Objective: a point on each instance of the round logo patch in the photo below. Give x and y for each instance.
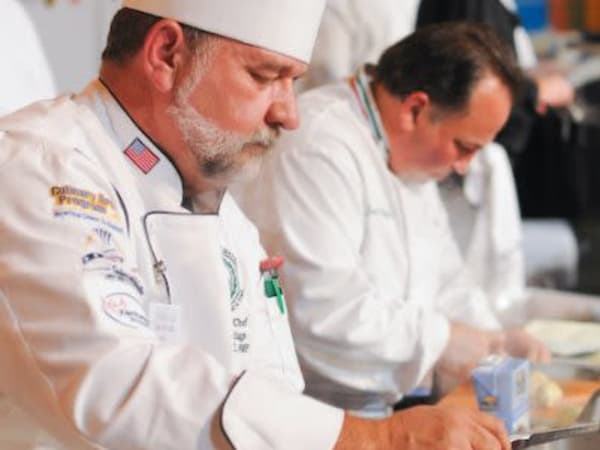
(236, 293)
(125, 309)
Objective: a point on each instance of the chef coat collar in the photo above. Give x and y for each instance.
(160, 182)
(360, 84)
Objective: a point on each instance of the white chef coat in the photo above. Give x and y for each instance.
(372, 272)
(354, 32)
(486, 222)
(26, 76)
(95, 246)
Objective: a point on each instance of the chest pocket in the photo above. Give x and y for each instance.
(276, 346)
(189, 257)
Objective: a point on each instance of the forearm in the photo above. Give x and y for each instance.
(364, 434)
(425, 428)
(404, 339)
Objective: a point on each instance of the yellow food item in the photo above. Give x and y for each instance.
(543, 392)
(567, 415)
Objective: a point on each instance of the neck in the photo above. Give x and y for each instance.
(134, 97)
(205, 202)
(387, 106)
(148, 109)
(144, 105)
(399, 121)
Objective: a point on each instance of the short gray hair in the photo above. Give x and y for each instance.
(128, 31)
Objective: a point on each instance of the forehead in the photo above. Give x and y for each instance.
(260, 58)
(486, 111)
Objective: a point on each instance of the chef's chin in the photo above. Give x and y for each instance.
(416, 177)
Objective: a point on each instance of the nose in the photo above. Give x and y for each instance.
(283, 111)
(461, 166)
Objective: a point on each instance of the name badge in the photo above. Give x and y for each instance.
(165, 321)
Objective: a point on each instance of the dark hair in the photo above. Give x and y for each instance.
(128, 30)
(446, 61)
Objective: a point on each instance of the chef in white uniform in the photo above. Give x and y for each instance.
(101, 262)
(373, 276)
(138, 309)
(501, 250)
(353, 32)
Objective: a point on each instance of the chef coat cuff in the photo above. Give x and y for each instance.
(437, 337)
(483, 317)
(264, 412)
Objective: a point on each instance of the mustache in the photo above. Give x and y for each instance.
(264, 137)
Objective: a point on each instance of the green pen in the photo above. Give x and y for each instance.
(270, 271)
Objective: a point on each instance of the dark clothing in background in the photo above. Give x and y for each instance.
(491, 12)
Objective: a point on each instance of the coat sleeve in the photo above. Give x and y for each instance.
(460, 298)
(309, 206)
(78, 352)
(495, 251)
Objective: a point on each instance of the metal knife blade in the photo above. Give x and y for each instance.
(541, 437)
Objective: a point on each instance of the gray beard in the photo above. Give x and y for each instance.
(220, 155)
(216, 150)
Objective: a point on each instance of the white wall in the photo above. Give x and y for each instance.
(73, 34)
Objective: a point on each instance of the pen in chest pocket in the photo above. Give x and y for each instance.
(269, 268)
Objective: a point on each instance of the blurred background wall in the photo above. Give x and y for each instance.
(73, 34)
(74, 31)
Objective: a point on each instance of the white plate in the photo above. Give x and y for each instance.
(565, 337)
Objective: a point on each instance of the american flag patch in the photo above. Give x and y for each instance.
(141, 155)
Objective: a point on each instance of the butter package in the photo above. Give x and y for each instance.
(502, 386)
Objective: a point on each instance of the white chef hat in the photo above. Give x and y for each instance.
(288, 27)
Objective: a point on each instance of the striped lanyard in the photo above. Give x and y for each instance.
(359, 83)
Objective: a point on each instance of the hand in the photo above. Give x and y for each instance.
(425, 428)
(521, 344)
(466, 348)
(445, 427)
(553, 91)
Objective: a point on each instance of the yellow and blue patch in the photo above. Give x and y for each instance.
(70, 201)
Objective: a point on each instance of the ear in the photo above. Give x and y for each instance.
(418, 102)
(413, 107)
(164, 52)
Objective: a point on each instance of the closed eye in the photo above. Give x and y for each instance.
(465, 149)
(263, 78)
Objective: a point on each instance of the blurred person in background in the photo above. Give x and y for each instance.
(354, 32)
